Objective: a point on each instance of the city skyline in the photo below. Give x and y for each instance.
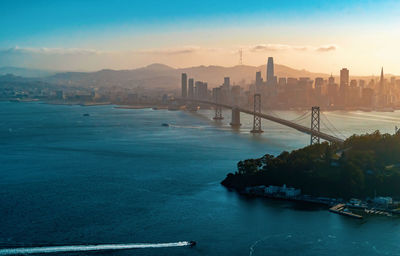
(92, 35)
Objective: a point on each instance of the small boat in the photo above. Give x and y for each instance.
(165, 124)
(192, 243)
(86, 114)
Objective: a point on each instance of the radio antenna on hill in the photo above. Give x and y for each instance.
(240, 56)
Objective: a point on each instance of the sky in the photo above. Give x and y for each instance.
(319, 36)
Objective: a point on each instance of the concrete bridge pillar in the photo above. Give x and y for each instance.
(218, 108)
(192, 106)
(235, 122)
(218, 113)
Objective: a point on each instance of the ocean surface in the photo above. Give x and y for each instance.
(119, 176)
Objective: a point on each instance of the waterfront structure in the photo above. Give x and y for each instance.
(275, 191)
(184, 85)
(383, 201)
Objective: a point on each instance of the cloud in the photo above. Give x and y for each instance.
(270, 47)
(50, 51)
(173, 51)
(286, 47)
(327, 48)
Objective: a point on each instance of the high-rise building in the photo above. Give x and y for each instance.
(361, 83)
(191, 88)
(392, 80)
(184, 85)
(331, 80)
(258, 78)
(319, 83)
(236, 95)
(344, 78)
(382, 83)
(282, 82)
(201, 90)
(270, 70)
(227, 82)
(383, 99)
(291, 82)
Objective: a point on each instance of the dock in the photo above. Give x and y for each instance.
(341, 209)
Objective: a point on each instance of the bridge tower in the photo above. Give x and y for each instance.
(218, 108)
(257, 110)
(235, 123)
(315, 120)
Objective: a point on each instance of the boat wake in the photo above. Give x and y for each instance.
(84, 248)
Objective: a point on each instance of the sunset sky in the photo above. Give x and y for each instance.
(320, 36)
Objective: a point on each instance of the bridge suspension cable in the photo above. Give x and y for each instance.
(300, 118)
(330, 127)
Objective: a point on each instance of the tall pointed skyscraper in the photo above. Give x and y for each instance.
(270, 70)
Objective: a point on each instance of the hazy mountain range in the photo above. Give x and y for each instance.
(26, 72)
(158, 75)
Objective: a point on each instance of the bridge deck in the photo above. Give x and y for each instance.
(278, 120)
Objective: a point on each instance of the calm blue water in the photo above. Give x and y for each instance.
(118, 176)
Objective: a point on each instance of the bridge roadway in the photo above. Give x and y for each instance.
(278, 120)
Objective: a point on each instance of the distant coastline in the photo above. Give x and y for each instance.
(163, 106)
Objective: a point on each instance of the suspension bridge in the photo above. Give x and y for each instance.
(313, 130)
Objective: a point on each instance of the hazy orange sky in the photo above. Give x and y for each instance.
(320, 36)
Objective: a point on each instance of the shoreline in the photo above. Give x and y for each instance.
(156, 107)
(331, 204)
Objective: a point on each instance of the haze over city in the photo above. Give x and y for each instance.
(319, 36)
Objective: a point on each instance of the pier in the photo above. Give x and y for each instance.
(342, 210)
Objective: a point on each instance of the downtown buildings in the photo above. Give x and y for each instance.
(304, 92)
(341, 92)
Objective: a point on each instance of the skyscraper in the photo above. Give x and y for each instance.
(184, 85)
(344, 78)
(331, 80)
(258, 78)
(382, 83)
(191, 88)
(201, 91)
(344, 87)
(227, 82)
(270, 70)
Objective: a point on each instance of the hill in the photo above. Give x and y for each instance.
(165, 77)
(160, 76)
(364, 165)
(25, 72)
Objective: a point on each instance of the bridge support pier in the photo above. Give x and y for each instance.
(235, 122)
(218, 113)
(257, 110)
(218, 108)
(191, 106)
(315, 125)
